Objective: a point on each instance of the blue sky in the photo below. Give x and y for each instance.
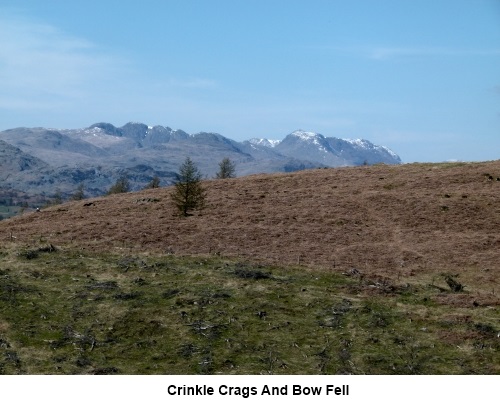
(421, 77)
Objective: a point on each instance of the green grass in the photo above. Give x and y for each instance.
(72, 312)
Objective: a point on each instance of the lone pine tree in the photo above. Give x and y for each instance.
(79, 194)
(154, 183)
(122, 185)
(227, 169)
(188, 193)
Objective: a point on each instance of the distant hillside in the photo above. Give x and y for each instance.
(98, 155)
(331, 152)
(13, 160)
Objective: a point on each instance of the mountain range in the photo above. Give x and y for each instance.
(44, 161)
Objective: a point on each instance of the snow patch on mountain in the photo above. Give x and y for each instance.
(390, 152)
(331, 151)
(362, 143)
(269, 143)
(306, 135)
(311, 138)
(96, 136)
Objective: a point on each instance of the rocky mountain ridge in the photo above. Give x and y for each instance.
(58, 160)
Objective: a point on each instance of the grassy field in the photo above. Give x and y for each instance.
(66, 311)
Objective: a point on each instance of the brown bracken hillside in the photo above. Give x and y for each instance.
(394, 221)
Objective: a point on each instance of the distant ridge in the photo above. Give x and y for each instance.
(99, 154)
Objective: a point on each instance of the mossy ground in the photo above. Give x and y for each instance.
(66, 311)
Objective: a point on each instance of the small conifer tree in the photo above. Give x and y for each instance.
(79, 194)
(227, 169)
(188, 194)
(57, 198)
(154, 183)
(122, 185)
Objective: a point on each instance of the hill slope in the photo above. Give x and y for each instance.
(399, 274)
(392, 218)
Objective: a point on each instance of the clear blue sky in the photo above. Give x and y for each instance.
(421, 77)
